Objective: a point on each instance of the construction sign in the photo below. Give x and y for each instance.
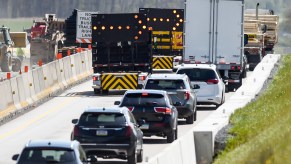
(84, 30)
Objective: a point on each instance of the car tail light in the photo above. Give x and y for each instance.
(95, 78)
(130, 108)
(76, 131)
(176, 60)
(128, 131)
(212, 81)
(142, 78)
(164, 110)
(187, 95)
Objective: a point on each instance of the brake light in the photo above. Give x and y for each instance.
(76, 131)
(164, 110)
(212, 81)
(130, 108)
(128, 131)
(187, 95)
(142, 78)
(95, 78)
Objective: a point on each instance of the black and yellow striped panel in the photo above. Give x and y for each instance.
(119, 81)
(162, 62)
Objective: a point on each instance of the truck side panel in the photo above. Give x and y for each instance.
(198, 31)
(229, 32)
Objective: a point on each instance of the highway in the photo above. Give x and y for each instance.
(52, 120)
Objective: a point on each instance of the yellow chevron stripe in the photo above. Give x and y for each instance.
(164, 62)
(132, 78)
(105, 78)
(106, 85)
(115, 85)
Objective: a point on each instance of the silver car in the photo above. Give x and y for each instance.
(179, 89)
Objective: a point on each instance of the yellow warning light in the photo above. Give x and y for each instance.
(103, 27)
(95, 27)
(168, 20)
(140, 22)
(174, 11)
(136, 37)
(174, 28)
(135, 16)
(178, 15)
(111, 27)
(144, 26)
(139, 32)
(177, 24)
(148, 19)
(155, 19)
(161, 19)
(127, 27)
(181, 20)
(119, 27)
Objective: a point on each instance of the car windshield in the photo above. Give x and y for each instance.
(164, 84)
(142, 99)
(95, 119)
(47, 155)
(196, 74)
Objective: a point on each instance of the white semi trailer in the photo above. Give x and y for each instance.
(214, 34)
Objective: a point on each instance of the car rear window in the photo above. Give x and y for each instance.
(164, 84)
(142, 99)
(94, 119)
(47, 155)
(196, 74)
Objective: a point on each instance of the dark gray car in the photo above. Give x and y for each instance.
(179, 89)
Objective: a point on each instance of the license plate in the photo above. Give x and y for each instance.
(144, 126)
(101, 132)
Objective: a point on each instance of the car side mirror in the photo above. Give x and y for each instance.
(15, 157)
(117, 103)
(75, 121)
(195, 86)
(92, 159)
(178, 103)
(141, 122)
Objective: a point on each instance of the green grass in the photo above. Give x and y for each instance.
(17, 25)
(261, 131)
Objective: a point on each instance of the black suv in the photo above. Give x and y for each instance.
(180, 91)
(109, 133)
(154, 110)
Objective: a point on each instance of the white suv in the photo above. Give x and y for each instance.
(211, 87)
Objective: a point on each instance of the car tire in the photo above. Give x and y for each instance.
(140, 156)
(97, 91)
(190, 119)
(132, 159)
(171, 136)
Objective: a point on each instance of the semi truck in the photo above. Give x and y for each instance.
(121, 51)
(214, 34)
(167, 35)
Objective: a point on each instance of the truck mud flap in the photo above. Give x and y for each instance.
(162, 62)
(119, 82)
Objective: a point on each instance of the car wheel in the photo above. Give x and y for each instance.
(190, 119)
(97, 91)
(140, 156)
(171, 137)
(132, 159)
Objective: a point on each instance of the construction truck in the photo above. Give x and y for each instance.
(214, 34)
(261, 29)
(266, 18)
(167, 36)
(47, 37)
(121, 51)
(8, 41)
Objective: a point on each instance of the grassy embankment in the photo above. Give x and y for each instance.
(261, 131)
(17, 25)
